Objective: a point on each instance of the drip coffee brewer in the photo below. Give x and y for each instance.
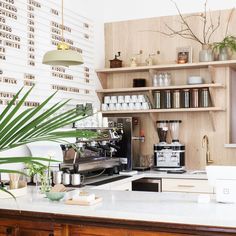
(169, 156)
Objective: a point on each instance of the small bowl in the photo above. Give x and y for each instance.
(55, 196)
(195, 80)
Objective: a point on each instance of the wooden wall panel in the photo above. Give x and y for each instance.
(129, 37)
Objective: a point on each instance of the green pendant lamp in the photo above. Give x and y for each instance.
(63, 56)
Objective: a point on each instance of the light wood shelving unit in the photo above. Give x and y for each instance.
(197, 65)
(104, 75)
(199, 109)
(147, 89)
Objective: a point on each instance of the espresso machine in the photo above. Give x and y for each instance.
(169, 156)
(111, 151)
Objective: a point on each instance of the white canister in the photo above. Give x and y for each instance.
(75, 179)
(66, 178)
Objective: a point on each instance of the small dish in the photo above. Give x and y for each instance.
(55, 196)
(195, 80)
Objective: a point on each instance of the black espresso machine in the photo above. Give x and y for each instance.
(112, 150)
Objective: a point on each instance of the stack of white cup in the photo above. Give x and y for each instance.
(125, 102)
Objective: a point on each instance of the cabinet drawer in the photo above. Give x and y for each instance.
(186, 185)
(124, 187)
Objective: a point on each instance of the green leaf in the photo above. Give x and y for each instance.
(4, 190)
(14, 111)
(10, 104)
(12, 171)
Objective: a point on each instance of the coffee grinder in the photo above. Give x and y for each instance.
(169, 156)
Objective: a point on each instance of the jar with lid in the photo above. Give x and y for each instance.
(205, 97)
(167, 99)
(176, 99)
(157, 99)
(185, 98)
(195, 98)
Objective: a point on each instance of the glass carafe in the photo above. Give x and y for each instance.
(174, 130)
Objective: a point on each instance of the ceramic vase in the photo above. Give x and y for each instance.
(206, 53)
(223, 55)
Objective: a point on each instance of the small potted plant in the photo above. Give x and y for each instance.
(225, 48)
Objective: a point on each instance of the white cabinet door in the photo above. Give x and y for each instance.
(186, 185)
(124, 187)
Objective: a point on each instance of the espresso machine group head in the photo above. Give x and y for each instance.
(169, 155)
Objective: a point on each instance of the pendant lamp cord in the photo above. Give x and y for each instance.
(62, 20)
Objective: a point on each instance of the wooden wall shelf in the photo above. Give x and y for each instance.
(146, 89)
(198, 65)
(199, 109)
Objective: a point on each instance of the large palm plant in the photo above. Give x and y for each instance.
(19, 127)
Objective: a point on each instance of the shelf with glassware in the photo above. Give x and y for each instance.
(158, 99)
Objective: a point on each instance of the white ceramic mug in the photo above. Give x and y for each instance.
(145, 106)
(104, 106)
(111, 106)
(113, 99)
(134, 98)
(107, 99)
(141, 98)
(138, 106)
(75, 179)
(124, 106)
(66, 179)
(118, 106)
(131, 106)
(127, 98)
(120, 99)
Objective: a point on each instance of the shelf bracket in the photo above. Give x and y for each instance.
(212, 72)
(153, 119)
(212, 120)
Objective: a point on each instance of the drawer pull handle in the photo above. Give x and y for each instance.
(185, 186)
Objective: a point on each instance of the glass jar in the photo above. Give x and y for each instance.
(166, 79)
(155, 81)
(176, 99)
(161, 79)
(167, 99)
(186, 98)
(195, 98)
(157, 99)
(205, 97)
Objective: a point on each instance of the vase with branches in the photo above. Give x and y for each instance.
(43, 123)
(203, 37)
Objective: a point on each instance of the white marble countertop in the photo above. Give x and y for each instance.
(150, 173)
(140, 206)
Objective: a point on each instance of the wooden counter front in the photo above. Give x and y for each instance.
(25, 223)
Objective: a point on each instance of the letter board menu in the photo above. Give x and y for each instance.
(28, 29)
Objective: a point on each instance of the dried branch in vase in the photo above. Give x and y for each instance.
(209, 27)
